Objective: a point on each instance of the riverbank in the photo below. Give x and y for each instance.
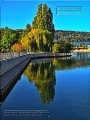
(85, 50)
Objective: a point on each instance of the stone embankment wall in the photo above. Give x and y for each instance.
(7, 64)
(10, 61)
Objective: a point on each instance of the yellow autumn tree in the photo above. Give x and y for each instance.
(36, 40)
(27, 40)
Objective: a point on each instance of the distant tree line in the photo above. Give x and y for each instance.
(72, 36)
(68, 40)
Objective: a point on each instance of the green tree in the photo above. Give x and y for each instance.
(8, 38)
(62, 47)
(68, 47)
(44, 22)
(56, 48)
(1, 34)
(27, 30)
(36, 24)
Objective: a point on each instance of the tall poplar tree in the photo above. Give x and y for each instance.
(44, 21)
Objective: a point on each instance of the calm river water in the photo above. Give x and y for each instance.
(51, 89)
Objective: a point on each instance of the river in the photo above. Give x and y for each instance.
(49, 89)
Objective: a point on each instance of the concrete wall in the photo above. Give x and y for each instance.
(7, 64)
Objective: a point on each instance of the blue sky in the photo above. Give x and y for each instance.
(16, 14)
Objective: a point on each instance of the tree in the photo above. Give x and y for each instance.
(84, 46)
(62, 47)
(1, 34)
(56, 48)
(27, 30)
(36, 40)
(37, 22)
(68, 47)
(8, 38)
(29, 41)
(17, 48)
(43, 21)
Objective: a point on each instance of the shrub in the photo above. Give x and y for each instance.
(17, 48)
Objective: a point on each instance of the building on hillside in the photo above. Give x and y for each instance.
(72, 36)
(80, 44)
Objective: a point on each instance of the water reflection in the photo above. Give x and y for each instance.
(42, 73)
(81, 55)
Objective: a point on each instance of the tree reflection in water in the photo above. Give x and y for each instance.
(43, 75)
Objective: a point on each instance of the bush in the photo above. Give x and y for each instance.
(17, 48)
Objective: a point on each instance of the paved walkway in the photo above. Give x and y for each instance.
(9, 75)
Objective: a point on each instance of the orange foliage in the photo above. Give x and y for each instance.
(17, 48)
